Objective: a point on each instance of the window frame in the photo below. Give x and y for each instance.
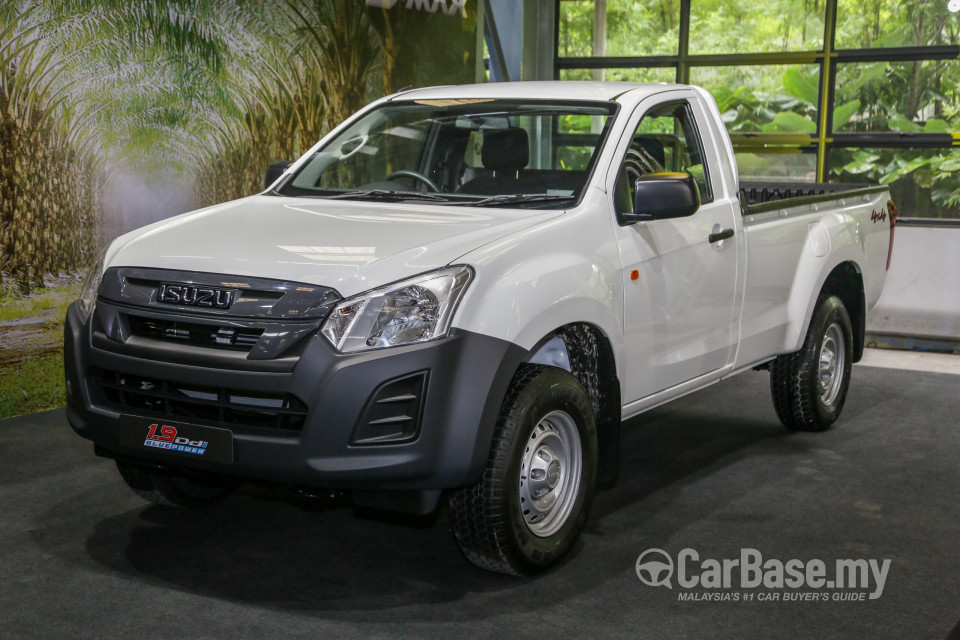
(825, 139)
(637, 118)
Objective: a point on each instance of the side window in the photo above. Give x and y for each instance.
(665, 140)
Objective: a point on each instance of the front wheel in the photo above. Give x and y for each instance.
(528, 509)
(809, 386)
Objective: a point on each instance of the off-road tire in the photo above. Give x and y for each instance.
(172, 490)
(491, 520)
(801, 401)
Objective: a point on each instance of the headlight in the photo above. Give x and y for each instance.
(88, 295)
(407, 312)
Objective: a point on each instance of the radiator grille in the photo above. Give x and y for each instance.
(204, 335)
(215, 406)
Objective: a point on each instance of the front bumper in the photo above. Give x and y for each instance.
(461, 381)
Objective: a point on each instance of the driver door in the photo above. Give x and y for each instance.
(679, 288)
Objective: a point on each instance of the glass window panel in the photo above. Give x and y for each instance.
(863, 24)
(789, 163)
(493, 138)
(632, 28)
(575, 26)
(925, 182)
(646, 74)
(921, 96)
(576, 74)
(735, 26)
(764, 98)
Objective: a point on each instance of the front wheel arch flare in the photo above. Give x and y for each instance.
(592, 362)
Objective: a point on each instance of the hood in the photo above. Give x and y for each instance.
(351, 246)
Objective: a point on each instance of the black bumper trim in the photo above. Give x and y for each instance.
(468, 378)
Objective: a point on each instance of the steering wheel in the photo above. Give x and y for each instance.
(416, 176)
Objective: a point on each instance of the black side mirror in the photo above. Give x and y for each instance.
(658, 196)
(274, 171)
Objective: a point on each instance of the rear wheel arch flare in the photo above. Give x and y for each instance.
(846, 282)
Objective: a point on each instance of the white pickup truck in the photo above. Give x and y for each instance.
(464, 291)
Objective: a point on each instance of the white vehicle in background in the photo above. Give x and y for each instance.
(464, 291)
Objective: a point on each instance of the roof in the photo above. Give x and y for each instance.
(545, 90)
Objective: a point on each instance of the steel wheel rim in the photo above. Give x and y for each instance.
(550, 471)
(831, 364)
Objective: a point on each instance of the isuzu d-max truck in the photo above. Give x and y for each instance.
(462, 292)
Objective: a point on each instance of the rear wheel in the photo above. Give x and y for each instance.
(173, 490)
(529, 507)
(809, 386)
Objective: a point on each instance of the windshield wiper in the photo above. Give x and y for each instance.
(515, 198)
(385, 194)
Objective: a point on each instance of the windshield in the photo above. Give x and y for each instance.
(467, 151)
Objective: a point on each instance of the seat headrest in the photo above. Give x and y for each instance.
(505, 149)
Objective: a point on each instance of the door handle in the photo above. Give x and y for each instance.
(720, 235)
